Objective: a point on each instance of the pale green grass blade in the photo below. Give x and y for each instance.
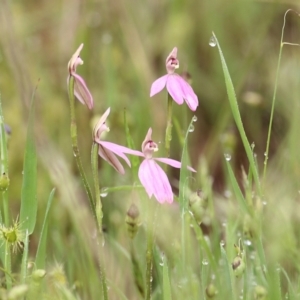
(227, 289)
(25, 258)
(291, 292)
(40, 259)
(237, 117)
(236, 189)
(167, 295)
(28, 209)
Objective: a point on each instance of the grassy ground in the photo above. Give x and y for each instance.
(125, 46)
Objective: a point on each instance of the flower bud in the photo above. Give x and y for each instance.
(198, 204)
(238, 266)
(211, 291)
(260, 293)
(4, 182)
(132, 220)
(38, 274)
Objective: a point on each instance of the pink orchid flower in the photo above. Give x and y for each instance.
(151, 175)
(81, 90)
(108, 150)
(176, 86)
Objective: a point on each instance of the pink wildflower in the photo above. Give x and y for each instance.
(81, 90)
(176, 86)
(108, 150)
(152, 176)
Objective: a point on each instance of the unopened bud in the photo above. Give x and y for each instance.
(4, 182)
(211, 291)
(198, 205)
(249, 227)
(238, 266)
(260, 293)
(132, 220)
(38, 274)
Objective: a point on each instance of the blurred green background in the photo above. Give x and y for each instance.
(125, 46)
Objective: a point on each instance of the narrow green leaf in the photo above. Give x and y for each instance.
(237, 117)
(167, 295)
(236, 188)
(28, 209)
(41, 250)
(226, 274)
(25, 258)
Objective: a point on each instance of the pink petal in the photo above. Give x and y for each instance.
(74, 60)
(158, 85)
(155, 181)
(173, 163)
(101, 121)
(190, 97)
(174, 88)
(120, 150)
(81, 91)
(108, 155)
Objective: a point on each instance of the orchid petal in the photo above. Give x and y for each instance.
(101, 121)
(174, 88)
(74, 61)
(155, 181)
(158, 85)
(189, 95)
(173, 163)
(120, 150)
(82, 92)
(110, 157)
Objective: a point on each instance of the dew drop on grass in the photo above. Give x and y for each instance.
(227, 156)
(204, 262)
(252, 146)
(222, 243)
(247, 242)
(191, 128)
(212, 42)
(264, 203)
(103, 192)
(194, 119)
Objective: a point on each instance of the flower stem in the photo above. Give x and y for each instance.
(98, 204)
(7, 266)
(73, 128)
(99, 216)
(149, 252)
(168, 137)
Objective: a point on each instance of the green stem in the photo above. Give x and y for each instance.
(7, 266)
(75, 146)
(274, 97)
(121, 188)
(98, 204)
(149, 253)
(99, 216)
(168, 137)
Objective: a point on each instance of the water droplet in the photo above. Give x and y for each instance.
(204, 262)
(252, 145)
(103, 192)
(75, 154)
(212, 42)
(151, 278)
(264, 203)
(222, 243)
(191, 128)
(227, 156)
(247, 242)
(194, 119)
